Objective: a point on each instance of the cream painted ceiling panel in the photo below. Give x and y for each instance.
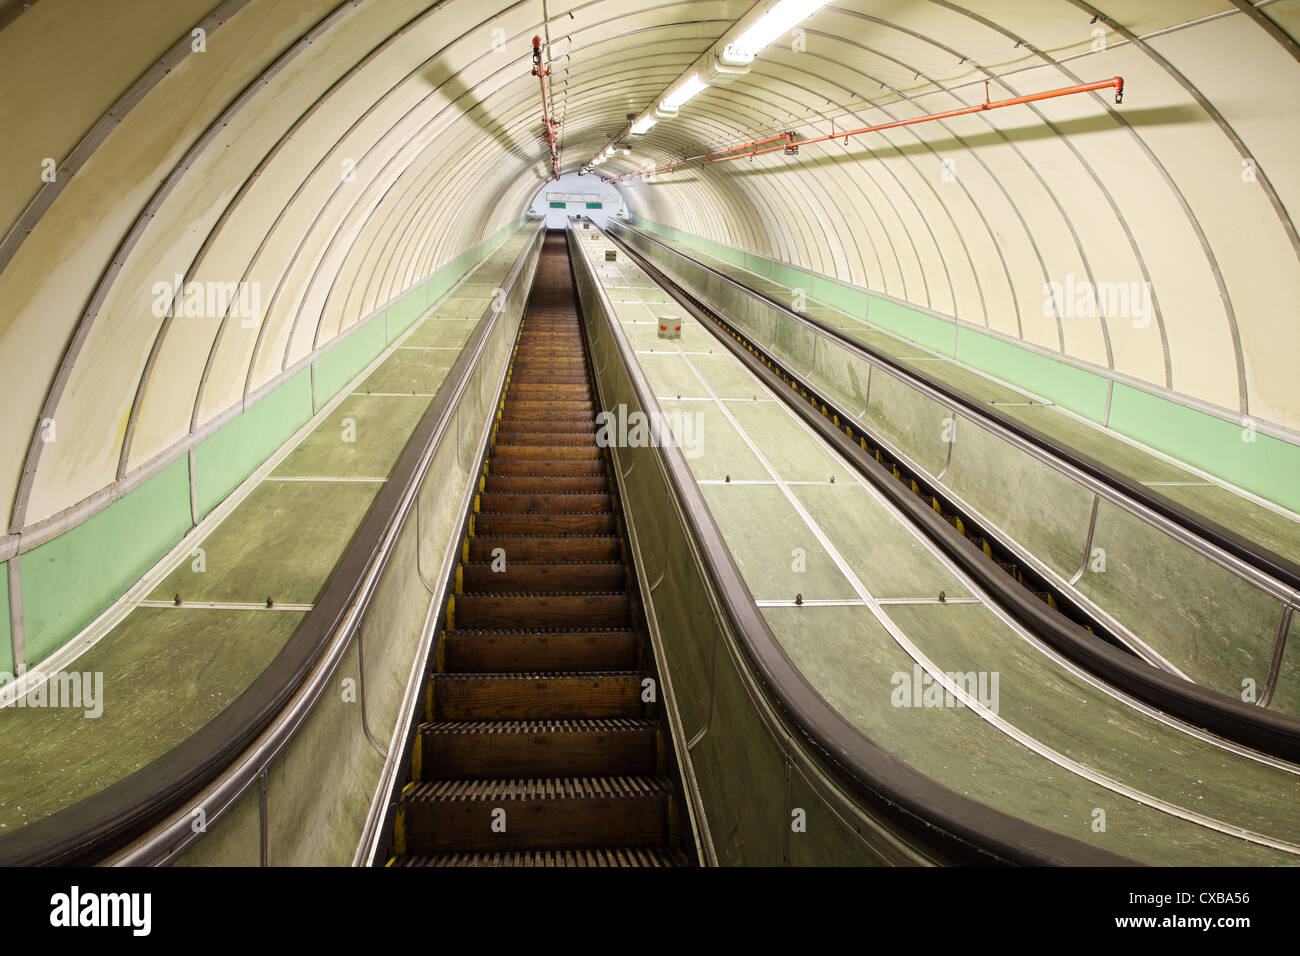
(95, 405)
(111, 45)
(167, 407)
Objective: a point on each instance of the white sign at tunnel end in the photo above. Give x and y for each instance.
(76, 909)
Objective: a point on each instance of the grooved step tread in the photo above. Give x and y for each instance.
(534, 813)
(616, 856)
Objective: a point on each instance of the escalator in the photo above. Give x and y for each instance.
(543, 742)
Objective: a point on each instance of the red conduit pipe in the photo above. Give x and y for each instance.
(785, 140)
(551, 138)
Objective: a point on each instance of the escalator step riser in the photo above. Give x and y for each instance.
(533, 524)
(587, 749)
(540, 651)
(521, 548)
(545, 502)
(521, 577)
(537, 437)
(544, 452)
(590, 484)
(544, 697)
(488, 611)
(540, 467)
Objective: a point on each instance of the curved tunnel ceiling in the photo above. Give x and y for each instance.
(331, 155)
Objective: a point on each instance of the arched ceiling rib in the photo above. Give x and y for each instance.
(227, 165)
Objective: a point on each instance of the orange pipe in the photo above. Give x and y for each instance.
(787, 139)
(551, 138)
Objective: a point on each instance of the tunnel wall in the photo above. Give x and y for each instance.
(1256, 462)
(67, 582)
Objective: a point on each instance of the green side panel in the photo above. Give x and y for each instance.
(1074, 388)
(71, 580)
(758, 264)
(595, 205)
(911, 323)
(852, 301)
(790, 276)
(403, 312)
(345, 361)
(230, 455)
(1260, 463)
(6, 636)
(557, 205)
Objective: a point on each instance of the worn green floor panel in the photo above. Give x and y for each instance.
(1098, 731)
(362, 438)
(167, 672)
(795, 453)
(1277, 532)
(853, 662)
(476, 289)
(442, 333)
(282, 542)
(889, 560)
(417, 371)
(972, 384)
(720, 451)
(1115, 452)
(884, 342)
(769, 551)
(462, 307)
(727, 378)
(670, 376)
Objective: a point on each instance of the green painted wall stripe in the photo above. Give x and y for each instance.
(1077, 389)
(229, 455)
(1266, 466)
(595, 205)
(852, 301)
(558, 205)
(71, 580)
(403, 313)
(341, 364)
(916, 326)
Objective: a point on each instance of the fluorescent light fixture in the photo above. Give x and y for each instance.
(683, 93)
(642, 126)
(772, 25)
(609, 151)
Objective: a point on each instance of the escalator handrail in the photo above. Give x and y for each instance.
(265, 715)
(1285, 573)
(967, 830)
